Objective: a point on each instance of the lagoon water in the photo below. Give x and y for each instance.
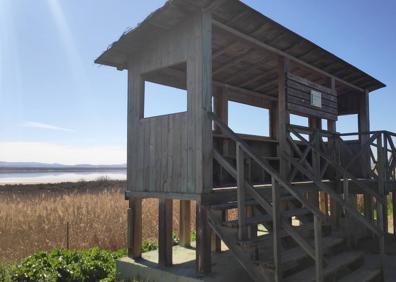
(59, 176)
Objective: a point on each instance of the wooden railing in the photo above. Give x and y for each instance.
(271, 207)
(375, 157)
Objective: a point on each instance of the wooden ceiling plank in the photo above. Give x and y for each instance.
(233, 61)
(244, 90)
(256, 42)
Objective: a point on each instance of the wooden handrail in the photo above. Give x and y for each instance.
(340, 168)
(265, 205)
(266, 166)
(347, 177)
(275, 177)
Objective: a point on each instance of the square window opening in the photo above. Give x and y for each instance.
(165, 91)
(246, 119)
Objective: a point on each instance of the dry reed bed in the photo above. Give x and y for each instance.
(34, 217)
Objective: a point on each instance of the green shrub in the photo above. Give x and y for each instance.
(67, 266)
(5, 273)
(149, 246)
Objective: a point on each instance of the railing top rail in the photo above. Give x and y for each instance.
(308, 130)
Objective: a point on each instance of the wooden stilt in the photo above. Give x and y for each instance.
(203, 253)
(185, 223)
(394, 214)
(135, 228)
(276, 230)
(316, 124)
(165, 232)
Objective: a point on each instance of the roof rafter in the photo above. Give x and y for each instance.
(281, 53)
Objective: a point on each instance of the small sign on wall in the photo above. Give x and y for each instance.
(316, 98)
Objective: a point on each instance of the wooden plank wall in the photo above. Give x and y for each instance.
(170, 156)
(299, 98)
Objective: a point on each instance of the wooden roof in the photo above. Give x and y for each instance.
(245, 48)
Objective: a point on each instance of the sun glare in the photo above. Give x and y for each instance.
(66, 36)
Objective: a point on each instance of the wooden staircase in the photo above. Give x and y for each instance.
(285, 237)
(256, 253)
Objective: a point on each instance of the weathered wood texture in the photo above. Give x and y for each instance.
(299, 98)
(165, 240)
(134, 236)
(203, 249)
(185, 223)
(171, 154)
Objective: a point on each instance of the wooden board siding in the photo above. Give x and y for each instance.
(299, 98)
(171, 154)
(160, 163)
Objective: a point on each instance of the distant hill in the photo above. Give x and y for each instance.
(37, 165)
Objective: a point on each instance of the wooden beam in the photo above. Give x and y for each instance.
(283, 114)
(316, 124)
(241, 191)
(276, 228)
(185, 223)
(245, 91)
(135, 228)
(165, 240)
(256, 42)
(318, 249)
(364, 126)
(203, 249)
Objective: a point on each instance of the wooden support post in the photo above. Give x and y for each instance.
(282, 121)
(364, 126)
(348, 223)
(315, 124)
(394, 214)
(165, 241)
(252, 230)
(276, 230)
(283, 115)
(386, 178)
(185, 223)
(381, 189)
(241, 191)
(318, 249)
(335, 210)
(273, 120)
(216, 243)
(135, 228)
(203, 249)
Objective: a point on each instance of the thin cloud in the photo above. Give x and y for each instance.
(40, 125)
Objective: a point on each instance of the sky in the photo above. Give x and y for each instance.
(57, 106)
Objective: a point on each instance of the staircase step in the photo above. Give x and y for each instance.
(335, 264)
(291, 257)
(233, 205)
(267, 218)
(362, 275)
(302, 229)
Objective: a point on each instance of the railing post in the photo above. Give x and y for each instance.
(381, 191)
(276, 213)
(336, 208)
(347, 199)
(241, 192)
(318, 249)
(386, 179)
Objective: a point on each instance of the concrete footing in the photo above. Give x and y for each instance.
(225, 268)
